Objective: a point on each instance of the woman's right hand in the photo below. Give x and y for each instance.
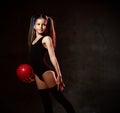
(30, 79)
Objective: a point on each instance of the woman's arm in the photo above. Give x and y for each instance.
(48, 44)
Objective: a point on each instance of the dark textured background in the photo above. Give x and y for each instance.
(88, 35)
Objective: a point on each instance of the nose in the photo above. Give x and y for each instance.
(40, 26)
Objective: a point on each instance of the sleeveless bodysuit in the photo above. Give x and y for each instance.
(39, 58)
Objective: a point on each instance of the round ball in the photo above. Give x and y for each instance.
(24, 72)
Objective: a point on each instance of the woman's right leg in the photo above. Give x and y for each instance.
(44, 93)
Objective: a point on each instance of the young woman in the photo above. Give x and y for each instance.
(48, 77)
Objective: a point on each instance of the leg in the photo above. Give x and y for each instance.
(62, 100)
(40, 84)
(44, 93)
(46, 100)
(50, 80)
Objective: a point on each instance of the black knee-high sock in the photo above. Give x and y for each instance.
(46, 100)
(62, 100)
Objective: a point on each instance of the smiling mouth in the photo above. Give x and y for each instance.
(41, 29)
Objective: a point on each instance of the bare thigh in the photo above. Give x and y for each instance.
(40, 83)
(49, 78)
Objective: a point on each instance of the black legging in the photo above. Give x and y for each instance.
(59, 97)
(46, 100)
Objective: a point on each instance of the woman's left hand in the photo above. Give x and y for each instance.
(60, 83)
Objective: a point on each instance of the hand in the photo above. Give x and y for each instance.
(60, 83)
(29, 80)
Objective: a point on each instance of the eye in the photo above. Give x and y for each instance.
(38, 24)
(44, 24)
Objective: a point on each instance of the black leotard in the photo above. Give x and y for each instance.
(38, 58)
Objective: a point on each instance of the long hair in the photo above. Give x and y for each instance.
(50, 30)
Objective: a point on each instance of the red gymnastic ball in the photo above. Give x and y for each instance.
(25, 72)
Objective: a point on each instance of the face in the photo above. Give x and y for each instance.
(40, 25)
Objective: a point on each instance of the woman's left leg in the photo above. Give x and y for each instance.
(50, 79)
(62, 100)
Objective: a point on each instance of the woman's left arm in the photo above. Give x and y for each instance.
(49, 45)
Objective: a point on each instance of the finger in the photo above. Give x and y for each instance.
(58, 87)
(29, 80)
(32, 79)
(61, 88)
(57, 83)
(63, 85)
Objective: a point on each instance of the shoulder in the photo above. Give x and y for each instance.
(47, 39)
(47, 42)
